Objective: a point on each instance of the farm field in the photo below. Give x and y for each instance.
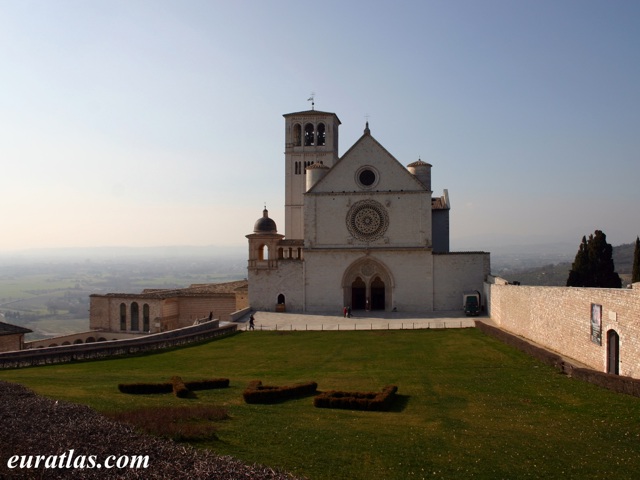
(51, 296)
(468, 407)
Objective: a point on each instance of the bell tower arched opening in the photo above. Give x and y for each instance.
(310, 137)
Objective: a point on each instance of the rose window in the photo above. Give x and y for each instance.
(367, 220)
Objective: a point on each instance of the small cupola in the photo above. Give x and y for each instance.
(422, 171)
(265, 224)
(315, 172)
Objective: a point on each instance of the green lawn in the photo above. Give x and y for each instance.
(469, 406)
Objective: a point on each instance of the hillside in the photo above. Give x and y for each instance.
(555, 275)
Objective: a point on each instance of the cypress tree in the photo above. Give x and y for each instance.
(635, 274)
(593, 266)
(580, 268)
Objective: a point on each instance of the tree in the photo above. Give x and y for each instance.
(593, 265)
(580, 269)
(635, 274)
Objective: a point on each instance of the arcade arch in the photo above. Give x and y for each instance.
(368, 285)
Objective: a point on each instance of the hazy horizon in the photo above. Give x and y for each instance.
(155, 123)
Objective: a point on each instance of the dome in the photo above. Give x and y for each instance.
(265, 224)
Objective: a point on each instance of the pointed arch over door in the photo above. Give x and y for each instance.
(367, 284)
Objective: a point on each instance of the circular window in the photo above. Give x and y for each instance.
(367, 220)
(367, 177)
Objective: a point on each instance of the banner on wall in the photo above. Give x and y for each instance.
(596, 324)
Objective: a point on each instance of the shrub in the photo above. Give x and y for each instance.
(371, 401)
(177, 423)
(145, 388)
(180, 390)
(208, 384)
(148, 388)
(258, 393)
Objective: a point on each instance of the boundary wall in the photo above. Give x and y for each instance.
(560, 319)
(100, 350)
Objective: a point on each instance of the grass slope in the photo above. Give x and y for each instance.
(469, 406)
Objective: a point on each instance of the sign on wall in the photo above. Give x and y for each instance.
(596, 324)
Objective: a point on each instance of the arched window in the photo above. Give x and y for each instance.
(281, 299)
(297, 135)
(308, 135)
(145, 317)
(123, 316)
(321, 134)
(135, 317)
(263, 252)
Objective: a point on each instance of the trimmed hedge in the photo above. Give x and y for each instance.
(145, 388)
(180, 390)
(208, 384)
(370, 401)
(258, 393)
(173, 386)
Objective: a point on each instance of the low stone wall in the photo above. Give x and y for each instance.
(238, 314)
(81, 337)
(617, 383)
(99, 350)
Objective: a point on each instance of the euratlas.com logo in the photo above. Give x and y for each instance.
(69, 460)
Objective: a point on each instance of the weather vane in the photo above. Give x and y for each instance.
(312, 100)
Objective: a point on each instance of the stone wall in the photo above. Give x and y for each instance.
(266, 284)
(559, 318)
(11, 342)
(406, 273)
(455, 273)
(193, 308)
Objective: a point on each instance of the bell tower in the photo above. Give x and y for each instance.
(310, 137)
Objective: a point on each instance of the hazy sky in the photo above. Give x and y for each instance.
(145, 123)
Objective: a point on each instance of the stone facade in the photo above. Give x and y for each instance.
(154, 311)
(560, 318)
(12, 337)
(361, 230)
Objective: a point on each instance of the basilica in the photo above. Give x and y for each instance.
(361, 231)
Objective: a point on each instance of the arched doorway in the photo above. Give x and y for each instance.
(613, 352)
(358, 294)
(377, 294)
(368, 284)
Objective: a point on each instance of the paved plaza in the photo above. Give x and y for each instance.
(359, 320)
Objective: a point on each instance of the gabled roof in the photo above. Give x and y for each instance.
(8, 329)
(366, 136)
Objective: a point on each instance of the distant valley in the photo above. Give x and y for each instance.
(48, 291)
